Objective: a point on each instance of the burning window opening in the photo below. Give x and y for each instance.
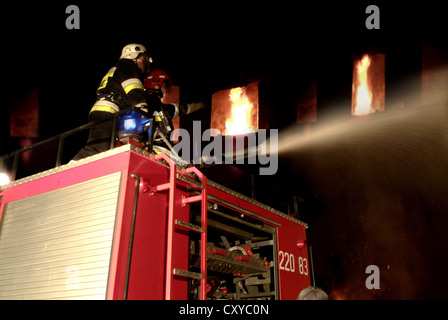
(368, 91)
(239, 121)
(235, 111)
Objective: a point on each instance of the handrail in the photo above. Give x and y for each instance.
(61, 138)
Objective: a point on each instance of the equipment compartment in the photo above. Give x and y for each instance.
(240, 255)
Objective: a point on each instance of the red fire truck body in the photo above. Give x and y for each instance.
(125, 224)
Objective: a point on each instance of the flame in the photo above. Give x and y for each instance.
(240, 118)
(363, 92)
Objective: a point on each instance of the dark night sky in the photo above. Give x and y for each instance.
(212, 45)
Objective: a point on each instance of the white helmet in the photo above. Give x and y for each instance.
(132, 50)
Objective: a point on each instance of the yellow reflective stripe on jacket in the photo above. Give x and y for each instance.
(105, 106)
(131, 84)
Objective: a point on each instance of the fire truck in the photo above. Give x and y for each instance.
(131, 224)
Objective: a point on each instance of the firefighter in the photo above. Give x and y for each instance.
(119, 89)
(157, 84)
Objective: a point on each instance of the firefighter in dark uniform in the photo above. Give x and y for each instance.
(120, 88)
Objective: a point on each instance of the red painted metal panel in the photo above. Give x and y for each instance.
(149, 255)
(293, 263)
(123, 225)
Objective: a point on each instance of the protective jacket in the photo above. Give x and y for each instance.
(120, 88)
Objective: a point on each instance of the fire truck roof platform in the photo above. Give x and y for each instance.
(130, 147)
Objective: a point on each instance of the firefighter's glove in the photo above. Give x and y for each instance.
(193, 107)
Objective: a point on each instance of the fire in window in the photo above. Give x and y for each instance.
(235, 111)
(368, 91)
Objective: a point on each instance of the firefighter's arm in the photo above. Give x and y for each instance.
(132, 85)
(143, 106)
(195, 106)
(137, 97)
(188, 108)
(176, 109)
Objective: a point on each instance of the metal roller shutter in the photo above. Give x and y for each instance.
(57, 245)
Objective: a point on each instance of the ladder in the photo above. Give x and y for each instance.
(174, 223)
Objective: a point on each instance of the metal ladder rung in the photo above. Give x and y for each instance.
(189, 226)
(190, 181)
(192, 199)
(188, 274)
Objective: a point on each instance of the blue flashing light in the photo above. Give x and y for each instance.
(131, 125)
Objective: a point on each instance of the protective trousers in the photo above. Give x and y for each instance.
(99, 135)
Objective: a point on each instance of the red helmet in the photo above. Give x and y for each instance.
(155, 79)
